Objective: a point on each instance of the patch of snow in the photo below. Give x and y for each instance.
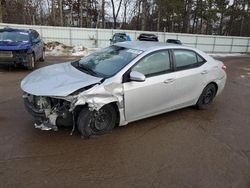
(226, 55)
(58, 49)
(81, 51)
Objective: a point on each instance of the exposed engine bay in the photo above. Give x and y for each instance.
(49, 112)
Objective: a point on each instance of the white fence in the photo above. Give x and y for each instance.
(96, 38)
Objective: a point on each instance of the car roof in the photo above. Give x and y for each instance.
(145, 45)
(119, 33)
(15, 29)
(148, 46)
(148, 34)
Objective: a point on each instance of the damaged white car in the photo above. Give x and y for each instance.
(120, 84)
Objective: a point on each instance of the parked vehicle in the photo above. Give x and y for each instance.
(119, 37)
(174, 41)
(148, 37)
(120, 84)
(21, 46)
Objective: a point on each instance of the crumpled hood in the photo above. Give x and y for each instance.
(57, 80)
(14, 45)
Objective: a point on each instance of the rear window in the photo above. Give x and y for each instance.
(14, 36)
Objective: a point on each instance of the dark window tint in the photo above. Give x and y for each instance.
(174, 41)
(185, 59)
(35, 34)
(154, 64)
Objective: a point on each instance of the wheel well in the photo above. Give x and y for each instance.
(33, 53)
(114, 104)
(215, 84)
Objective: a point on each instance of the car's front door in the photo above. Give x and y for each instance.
(37, 45)
(143, 99)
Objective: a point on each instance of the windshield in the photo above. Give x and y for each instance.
(107, 61)
(120, 38)
(14, 36)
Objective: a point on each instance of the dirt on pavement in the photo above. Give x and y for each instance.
(185, 148)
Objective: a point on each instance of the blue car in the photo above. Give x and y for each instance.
(21, 46)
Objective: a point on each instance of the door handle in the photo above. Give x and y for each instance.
(204, 72)
(169, 80)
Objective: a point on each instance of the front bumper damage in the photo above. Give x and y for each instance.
(50, 112)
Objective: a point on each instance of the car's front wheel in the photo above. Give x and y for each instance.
(31, 62)
(206, 97)
(42, 59)
(96, 122)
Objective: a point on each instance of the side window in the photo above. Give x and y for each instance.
(154, 64)
(186, 59)
(34, 35)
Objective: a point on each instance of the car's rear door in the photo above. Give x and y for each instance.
(143, 99)
(191, 75)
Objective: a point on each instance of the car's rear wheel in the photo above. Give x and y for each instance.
(31, 62)
(206, 97)
(96, 122)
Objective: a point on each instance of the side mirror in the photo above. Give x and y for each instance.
(110, 40)
(137, 76)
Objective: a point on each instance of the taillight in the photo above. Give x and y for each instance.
(224, 67)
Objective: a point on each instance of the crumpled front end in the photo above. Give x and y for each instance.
(49, 113)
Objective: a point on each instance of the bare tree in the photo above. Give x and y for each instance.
(115, 13)
(186, 16)
(1, 10)
(144, 15)
(81, 12)
(125, 8)
(103, 13)
(53, 11)
(61, 12)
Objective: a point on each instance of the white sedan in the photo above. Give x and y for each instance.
(122, 83)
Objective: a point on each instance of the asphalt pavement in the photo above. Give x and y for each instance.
(186, 148)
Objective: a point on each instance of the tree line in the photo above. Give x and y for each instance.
(217, 17)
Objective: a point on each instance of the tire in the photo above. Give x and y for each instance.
(31, 62)
(42, 59)
(206, 97)
(91, 123)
